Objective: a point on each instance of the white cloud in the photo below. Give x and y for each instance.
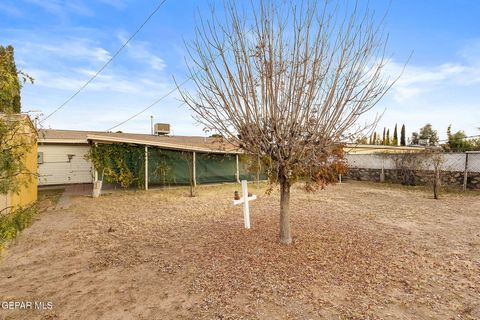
(10, 9)
(417, 80)
(118, 4)
(76, 48)
(440, 94)
(62, 65)
(62, 8)
(111, 81)
(140, 51)
(471, 53)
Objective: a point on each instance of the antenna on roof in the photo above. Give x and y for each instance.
(151, 125)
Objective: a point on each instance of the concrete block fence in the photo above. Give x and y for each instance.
(456, 169)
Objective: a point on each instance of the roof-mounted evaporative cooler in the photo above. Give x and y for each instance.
(161, 129)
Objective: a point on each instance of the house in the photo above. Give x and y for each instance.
(20, 130)
(62, 156)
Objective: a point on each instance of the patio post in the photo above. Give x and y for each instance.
(146, 168)
(194, 168)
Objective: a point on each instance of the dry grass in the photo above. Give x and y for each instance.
(48, 198)
(360, 251)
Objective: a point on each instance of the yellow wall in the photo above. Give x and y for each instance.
(28, 194)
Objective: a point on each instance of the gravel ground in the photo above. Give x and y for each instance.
(361, 250)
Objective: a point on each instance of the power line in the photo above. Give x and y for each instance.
(150, 106)
(467, 137)
(166, 95)
(106, 64)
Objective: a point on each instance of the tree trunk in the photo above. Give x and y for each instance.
(285, 236)
(192, 190)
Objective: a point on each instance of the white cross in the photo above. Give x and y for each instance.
(245, 199)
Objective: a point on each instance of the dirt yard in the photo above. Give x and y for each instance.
(360, 250)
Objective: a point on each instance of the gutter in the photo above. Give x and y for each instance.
(96, 138)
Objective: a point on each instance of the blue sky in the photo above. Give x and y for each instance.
(62, 42)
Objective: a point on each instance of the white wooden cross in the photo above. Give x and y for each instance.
(245, 199)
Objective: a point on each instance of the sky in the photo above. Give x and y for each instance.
(62, 43)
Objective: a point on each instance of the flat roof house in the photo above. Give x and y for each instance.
(62, 155)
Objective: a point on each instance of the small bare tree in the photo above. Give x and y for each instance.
(187, 157)
(419, 168)
(289, 86)
(434, 162)
(407, 166)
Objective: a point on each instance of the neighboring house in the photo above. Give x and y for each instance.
(27, 193)
(372, 148)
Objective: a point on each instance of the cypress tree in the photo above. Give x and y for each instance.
(383, 139)
(449, 134)
(9, 83)
(387, 142)
(375, 137)
(395, 136)
(402, 136)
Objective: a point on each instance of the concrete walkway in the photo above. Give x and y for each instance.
(73, 190)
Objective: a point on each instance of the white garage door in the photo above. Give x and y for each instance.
(63, 164)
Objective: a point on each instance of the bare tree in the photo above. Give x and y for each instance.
(289, 85)
(187, 157)
(434, 161)
(419, 168)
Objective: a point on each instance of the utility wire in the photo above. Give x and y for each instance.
(150, 106)
(166, 95)
(106, 64)
(467, 137)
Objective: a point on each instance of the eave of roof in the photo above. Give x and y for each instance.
(171, 146)
(63, 141)
(183, 143)
(22, 116)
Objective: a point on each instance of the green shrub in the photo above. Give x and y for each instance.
(14, 222)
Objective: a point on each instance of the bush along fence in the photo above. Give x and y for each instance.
(453, 169)
(128, 165)
(11, 223)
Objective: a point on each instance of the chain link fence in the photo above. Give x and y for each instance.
(457, 169)
(473, 161)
